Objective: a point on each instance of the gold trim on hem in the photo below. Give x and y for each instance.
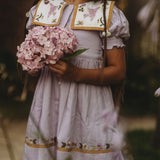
(68, 150)
(84, 151)
(40, 146)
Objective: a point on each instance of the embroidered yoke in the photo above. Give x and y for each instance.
(88, 16)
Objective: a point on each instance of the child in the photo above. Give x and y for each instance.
(70, 97)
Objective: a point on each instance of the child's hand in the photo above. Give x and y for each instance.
(34, 74)
(64, 70)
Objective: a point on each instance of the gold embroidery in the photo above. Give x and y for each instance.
(68, 149)
(56, 20)
(91, 28)
(41, 146)
(74, 16)
(43, 24)
(110, 15)
(36, 12)
(84, 151)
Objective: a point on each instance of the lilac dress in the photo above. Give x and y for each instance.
(65, 117)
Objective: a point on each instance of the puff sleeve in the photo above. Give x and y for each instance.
(31, 15)
(119, 29)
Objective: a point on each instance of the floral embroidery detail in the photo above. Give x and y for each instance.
(45, 141)
(80, 145)
(35, 141)
(107, 146)
(99, 146)
(48, 12)
(88, 15)
(81, 9)
(80, 23)
(46, 1)
(85, 146)
(74, 145)
(52, 10)
(101, 21)
(68, 145)
(63, 145)
(54, 139)
(91, 13)
(39, 16)
(59, 7)
(30, 140)
(54, 20)
(93, 147)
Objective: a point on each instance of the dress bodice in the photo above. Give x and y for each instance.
(92, 39)
(86, 38)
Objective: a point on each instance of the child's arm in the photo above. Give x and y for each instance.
(113, 73)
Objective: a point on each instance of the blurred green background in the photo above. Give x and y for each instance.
(143, 74)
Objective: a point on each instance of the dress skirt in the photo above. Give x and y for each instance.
(66, 118)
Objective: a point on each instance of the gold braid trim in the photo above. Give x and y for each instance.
(110, 15)
(84, 151)
(40, 146)
(68, 150)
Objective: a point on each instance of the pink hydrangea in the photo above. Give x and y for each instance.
(45, 45)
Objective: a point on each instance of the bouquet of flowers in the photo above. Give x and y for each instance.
(46, 45)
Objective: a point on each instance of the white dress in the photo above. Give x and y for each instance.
(65, 118)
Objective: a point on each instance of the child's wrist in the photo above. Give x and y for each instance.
(77, 74)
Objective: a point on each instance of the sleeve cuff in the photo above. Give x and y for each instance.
(114, 42)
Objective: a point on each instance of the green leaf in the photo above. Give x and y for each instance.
(78, 52)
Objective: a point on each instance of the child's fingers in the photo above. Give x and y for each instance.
(55, 70)
(57, 66)
(60, 65)
(61, 62)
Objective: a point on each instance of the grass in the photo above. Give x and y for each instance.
(140, 145)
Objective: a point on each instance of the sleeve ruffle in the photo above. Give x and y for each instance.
(119, 29)
(31, 15)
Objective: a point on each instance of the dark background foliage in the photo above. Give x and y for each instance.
(142, 72)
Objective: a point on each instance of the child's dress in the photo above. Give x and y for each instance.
(66, 117)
